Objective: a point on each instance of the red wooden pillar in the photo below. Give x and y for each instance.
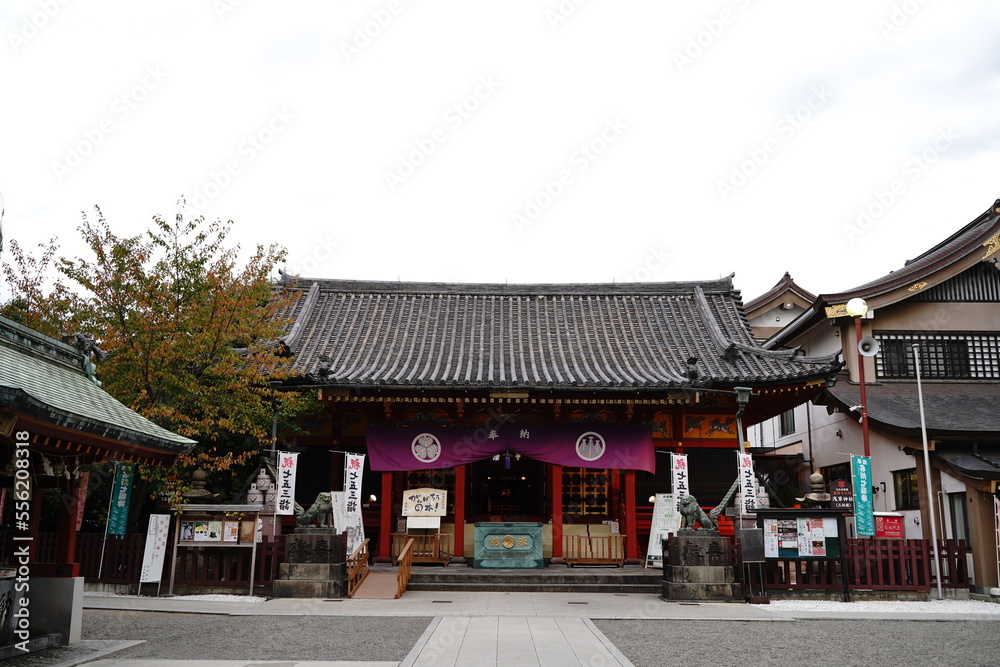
(555, 502)
(458, 549)
(631, 539)
(385, 521)
(65, 555)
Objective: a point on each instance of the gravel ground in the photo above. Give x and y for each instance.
(800, 643)
(217, 637)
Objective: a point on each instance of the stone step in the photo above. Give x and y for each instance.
(536, 587)
(563, 581)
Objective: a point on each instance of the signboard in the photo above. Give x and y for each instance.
(425, 502)
(665, 520)
(285, 501)
(679, 476)
(748, 484)
(353, 467)
(889, 526)
(805, 537)
(842, 495)
(864, 506)
(338, 505)
(156, 548)
(121, 496)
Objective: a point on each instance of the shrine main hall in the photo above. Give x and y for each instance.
(556, 404)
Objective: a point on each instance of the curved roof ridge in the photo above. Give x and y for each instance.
(718, 286)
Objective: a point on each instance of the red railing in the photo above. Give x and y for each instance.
(879, 565)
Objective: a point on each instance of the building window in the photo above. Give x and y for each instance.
(839, 471)
(787, 422)
(945, 355)
(585, 491)
(907, 493)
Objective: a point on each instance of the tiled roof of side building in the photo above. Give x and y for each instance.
(573, 336)
(44, 378)
(976, 242)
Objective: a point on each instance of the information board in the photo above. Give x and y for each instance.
(805, 537)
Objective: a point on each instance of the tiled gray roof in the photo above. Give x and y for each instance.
(44, 378)
(982, 463)
(383, 334)
(953, 409)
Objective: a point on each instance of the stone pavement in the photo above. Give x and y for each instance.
(480, 629)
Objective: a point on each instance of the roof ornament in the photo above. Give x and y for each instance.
(86, 344)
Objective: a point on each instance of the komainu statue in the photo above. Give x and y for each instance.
(320, 511)
(692, 515)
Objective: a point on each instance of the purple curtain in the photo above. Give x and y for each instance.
(575, 445)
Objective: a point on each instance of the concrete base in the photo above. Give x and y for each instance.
(57, 607)
(696, 568)
(311, 580)
(701, 592)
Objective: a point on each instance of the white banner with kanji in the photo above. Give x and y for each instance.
(353, 470)
(285, 500)
(156, 548)
(679, 477)
(748, 484)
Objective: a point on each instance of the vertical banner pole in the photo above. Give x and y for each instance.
(107, 520)
(927, 473)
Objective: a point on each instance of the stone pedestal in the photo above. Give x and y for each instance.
(316, 565)
(696, 568)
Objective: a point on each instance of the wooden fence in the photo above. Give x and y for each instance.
(226, 566)
(879, 565)
(196, 565)
(594, 549)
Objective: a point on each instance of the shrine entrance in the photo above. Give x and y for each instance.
(499, 493)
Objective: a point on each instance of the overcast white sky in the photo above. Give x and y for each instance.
(515, 141)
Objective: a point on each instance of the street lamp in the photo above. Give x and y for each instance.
(857, 308)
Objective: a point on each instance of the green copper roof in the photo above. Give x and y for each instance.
(46, 379)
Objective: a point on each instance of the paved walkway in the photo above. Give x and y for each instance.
(477, 629)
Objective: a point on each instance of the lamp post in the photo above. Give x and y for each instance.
(927, 471)
(857, 308)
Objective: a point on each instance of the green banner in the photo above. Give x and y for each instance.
(864, 508)
(121, 496)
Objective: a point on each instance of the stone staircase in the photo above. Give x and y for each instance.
(554, 579)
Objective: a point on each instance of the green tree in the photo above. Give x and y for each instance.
(192, 335)
(32, 302)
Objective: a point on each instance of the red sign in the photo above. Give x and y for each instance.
(889, 527)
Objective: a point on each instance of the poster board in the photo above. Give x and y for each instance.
(805, 534)
(665, 520)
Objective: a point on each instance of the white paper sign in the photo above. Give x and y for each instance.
(353, 469)
(285, 501)
(156, 548)
(665, 520)
(338, 502)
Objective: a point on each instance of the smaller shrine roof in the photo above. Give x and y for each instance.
(46, 379)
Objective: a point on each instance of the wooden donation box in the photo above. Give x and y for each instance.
(514, 545)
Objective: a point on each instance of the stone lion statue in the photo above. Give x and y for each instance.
(692, 515)
(320, 511)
